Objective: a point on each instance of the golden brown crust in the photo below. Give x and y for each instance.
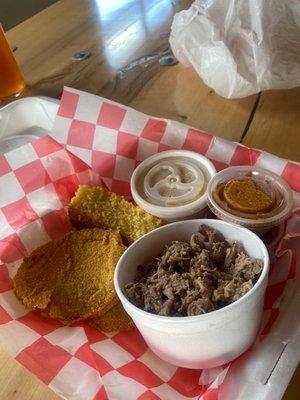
(72, 278)
(98, 207)
(115, 319)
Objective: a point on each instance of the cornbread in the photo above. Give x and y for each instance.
(98, 207)
(115, 319)
(71, 278)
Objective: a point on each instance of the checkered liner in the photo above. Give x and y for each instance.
(37, 182)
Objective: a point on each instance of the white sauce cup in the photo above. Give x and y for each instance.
(193, 209)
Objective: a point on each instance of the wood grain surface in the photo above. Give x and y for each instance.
(125, 45)
(16, 383)
(276, 124)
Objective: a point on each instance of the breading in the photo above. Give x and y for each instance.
(71, 278)
(98, 207)
(115, 319)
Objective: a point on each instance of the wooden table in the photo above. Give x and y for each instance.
(126, 39)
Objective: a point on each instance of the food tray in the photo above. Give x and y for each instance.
(271, 363)
(24, 120)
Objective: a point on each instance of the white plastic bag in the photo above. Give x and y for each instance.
(240, 47)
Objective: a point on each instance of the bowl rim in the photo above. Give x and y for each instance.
(194, 318)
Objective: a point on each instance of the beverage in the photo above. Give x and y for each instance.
(11, 80)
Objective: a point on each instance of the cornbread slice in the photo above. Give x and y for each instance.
(98, 207)
(71, 278)
(115, 319)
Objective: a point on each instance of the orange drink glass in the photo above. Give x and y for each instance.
(11, 79)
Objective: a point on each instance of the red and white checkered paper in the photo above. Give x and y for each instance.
(37, 182)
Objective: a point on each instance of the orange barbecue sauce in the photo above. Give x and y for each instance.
(248, 198)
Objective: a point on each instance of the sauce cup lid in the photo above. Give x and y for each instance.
(172, 184)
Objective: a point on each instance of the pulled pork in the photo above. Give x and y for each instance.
(194, 278)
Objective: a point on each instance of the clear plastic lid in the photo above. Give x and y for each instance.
(251, 197)
(172, 184)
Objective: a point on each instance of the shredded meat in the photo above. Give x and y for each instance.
(231, 252)
(196, 277)
(200, 306)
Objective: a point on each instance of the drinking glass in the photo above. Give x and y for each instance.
(11, 79)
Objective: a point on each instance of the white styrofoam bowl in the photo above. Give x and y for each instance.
(202, 341)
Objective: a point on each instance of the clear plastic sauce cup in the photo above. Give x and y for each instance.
(252, 197)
